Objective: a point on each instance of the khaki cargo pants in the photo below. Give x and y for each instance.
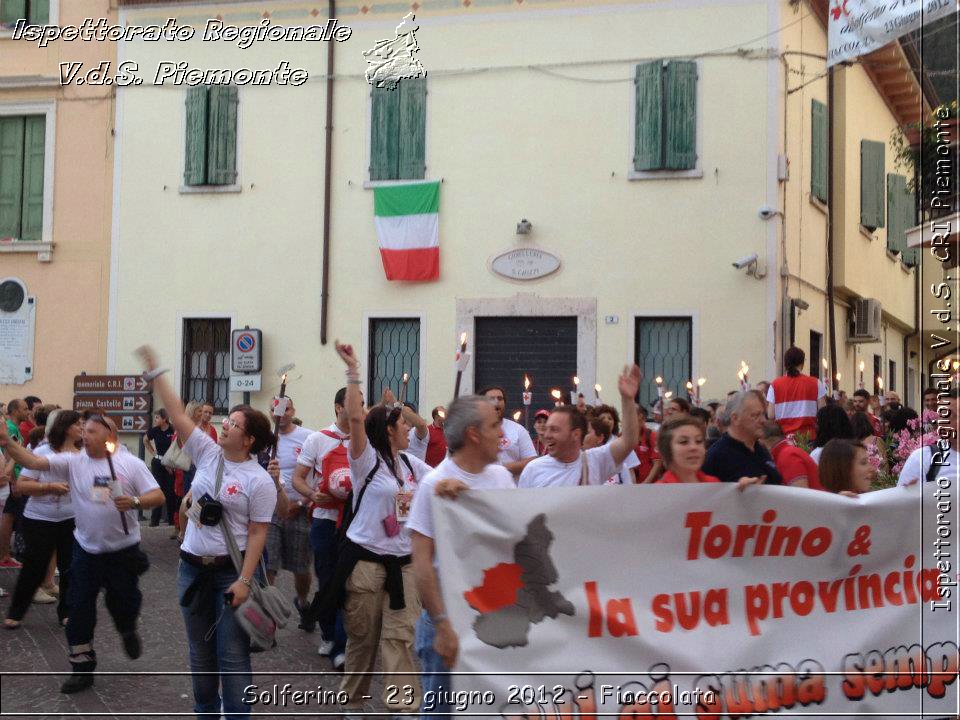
(371, 624)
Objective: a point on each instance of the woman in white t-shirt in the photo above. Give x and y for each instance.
(209, 586)
(47, 524)
(381, 603)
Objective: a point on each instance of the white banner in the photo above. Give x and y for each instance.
(586, 599)
(857, 27)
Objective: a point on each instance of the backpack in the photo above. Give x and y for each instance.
(336, 466)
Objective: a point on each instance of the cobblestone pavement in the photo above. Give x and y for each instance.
(162, 686)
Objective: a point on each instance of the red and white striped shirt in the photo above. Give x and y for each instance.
(794, 401)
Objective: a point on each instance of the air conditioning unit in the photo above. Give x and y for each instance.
(867, 322)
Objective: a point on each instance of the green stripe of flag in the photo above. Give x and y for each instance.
(414, 199)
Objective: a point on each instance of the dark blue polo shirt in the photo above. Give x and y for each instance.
(730, 460)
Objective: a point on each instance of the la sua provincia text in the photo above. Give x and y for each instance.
(180, 73)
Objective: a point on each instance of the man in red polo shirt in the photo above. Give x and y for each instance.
(437, 444)
(793, 399)
(796, 466)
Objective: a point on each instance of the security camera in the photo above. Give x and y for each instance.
(766, 212)
(746, 261)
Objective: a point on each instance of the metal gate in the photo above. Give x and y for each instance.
(545, 348)
(663, 347)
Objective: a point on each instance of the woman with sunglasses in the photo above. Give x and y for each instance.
(381, 604)
(47, 519)
(209, 586)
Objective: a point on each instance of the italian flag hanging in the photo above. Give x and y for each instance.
(408, 230)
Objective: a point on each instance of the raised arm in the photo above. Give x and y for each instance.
(171, 401)
(629, 386)
(413, 419)
(20, 454)
(354, 400)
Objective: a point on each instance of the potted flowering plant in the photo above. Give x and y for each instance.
(896, 448)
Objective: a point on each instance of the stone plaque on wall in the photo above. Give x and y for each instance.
(17, 324)
(525, 264)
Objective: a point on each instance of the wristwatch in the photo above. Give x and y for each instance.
(136, 503)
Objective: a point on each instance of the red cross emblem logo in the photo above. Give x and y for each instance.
(233, 490)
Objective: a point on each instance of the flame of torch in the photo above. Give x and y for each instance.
(556, 394)
(516, 416)
(862, 365)
(526, 383)
(463, 342)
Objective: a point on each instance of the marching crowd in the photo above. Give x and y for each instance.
(348, 509)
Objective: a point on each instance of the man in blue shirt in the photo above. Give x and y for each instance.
(739, 453)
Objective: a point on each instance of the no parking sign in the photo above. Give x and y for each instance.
(246, 350)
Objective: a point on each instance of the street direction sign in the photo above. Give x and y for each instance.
(113, 404)
(133, 423)
(109, 384)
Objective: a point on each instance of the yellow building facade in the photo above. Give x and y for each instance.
(533, 122)
(56, 193)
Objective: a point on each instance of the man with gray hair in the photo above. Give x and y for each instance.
(472, 430)
(739, 453)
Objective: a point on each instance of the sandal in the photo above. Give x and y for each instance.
(9, 624)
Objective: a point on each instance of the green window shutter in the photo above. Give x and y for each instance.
(11, 175)
(384, 134)
(12, 10)
(39, 12)
(195, 161)
(896, 226)
(222, 136)
(648, 123)
(33, 149)
(871, 184)
(681, 123)
(819, 168)
(413, 128)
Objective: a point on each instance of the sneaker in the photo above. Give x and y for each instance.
(306, 623)
(339, 660)
(132, 645)
(76, 683)
(9, 563)
(42, 598)
(325, 647)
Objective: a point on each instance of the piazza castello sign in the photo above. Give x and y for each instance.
(525, 264)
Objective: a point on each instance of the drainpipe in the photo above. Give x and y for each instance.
(831, 223)
(327, 180)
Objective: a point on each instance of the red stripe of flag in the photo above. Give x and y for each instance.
(411, 265)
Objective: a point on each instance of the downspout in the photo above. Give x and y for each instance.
(327, 181)
(831, 222)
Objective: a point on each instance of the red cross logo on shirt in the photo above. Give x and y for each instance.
(839, 9)
(233, 490)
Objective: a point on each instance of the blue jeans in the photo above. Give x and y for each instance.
(88, 573)
(434, 674)
(217, 645)
(323, 540)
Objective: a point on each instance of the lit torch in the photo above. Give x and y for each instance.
(836, 393)
(516, 416)
(279, 408)
(596, 393)
(527, 401)
(576, 390)
(826, 372)
(111, 448)
(659, 382)
(461, 360)
(700, 384)
(883, 400)
(861, 366)
(403, 388)
(557, 397)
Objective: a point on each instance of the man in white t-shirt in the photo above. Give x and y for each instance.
(938, 461)
(516, 447)
(566, 463)
(307, 480)
(288, 537)
(107, 553)
(472, 431)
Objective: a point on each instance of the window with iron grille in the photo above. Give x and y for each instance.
(663, 348)
(816, 350)
(206, 362)
(394, 350)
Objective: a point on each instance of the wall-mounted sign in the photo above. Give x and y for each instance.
(17, 322)
(246, 350)
(525, 264)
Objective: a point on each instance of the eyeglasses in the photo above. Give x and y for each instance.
(231, 423)
(100, 420)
